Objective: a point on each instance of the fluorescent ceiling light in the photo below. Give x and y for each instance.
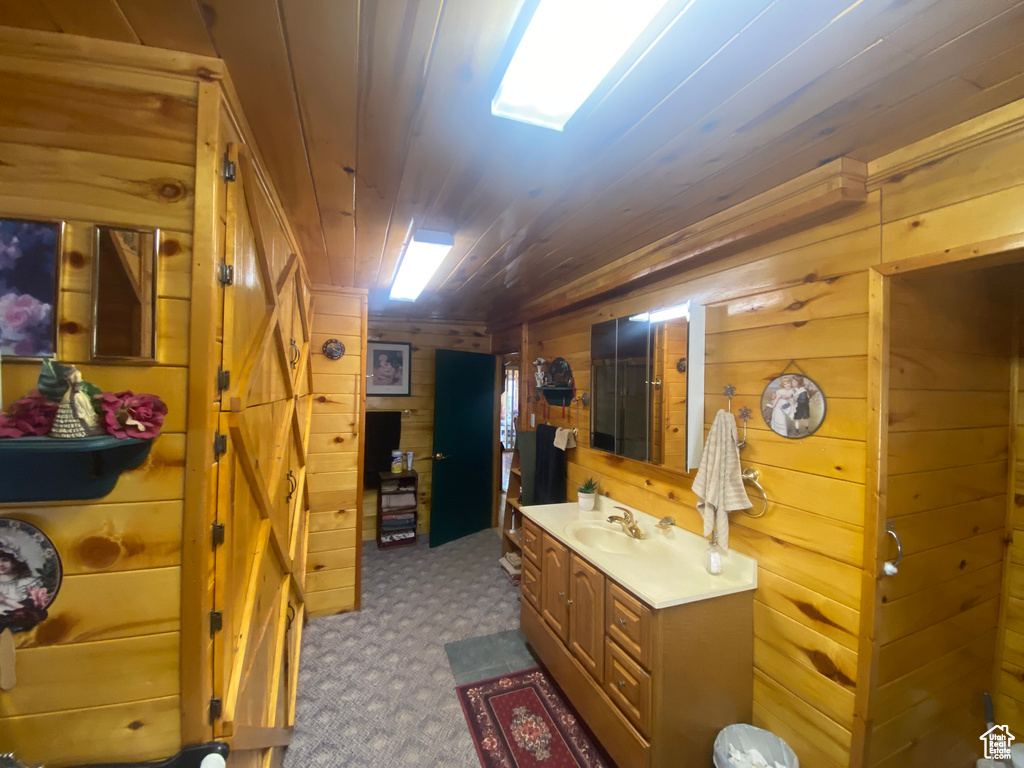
(567, 50)
(423, 255)
(661, 315)
(671, 313)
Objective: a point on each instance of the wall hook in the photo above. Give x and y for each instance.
(891, 567)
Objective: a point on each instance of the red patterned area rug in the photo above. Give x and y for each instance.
(520, 720)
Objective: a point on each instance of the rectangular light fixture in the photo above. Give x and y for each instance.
(568, 48)
(661, 315)
(422, 256)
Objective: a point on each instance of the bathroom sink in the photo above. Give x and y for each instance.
(604, 538)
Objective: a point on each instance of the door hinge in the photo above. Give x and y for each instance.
(216, 709)
(217, 534)
(229, 168)
(227, 274)
(220, 445)
(223, 379)
(216, 622)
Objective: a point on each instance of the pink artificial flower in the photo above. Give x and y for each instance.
(20, 314)
(39, 596)
(129, 415)
(31, 415)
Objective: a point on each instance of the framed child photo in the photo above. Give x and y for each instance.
(28, 287)
(387, 368)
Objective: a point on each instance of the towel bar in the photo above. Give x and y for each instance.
(751, 475)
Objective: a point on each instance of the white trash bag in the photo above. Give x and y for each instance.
(744, 746)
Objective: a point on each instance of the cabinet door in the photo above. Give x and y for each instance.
(586, 614)
(554, 582)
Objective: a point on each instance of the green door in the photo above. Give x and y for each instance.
(461, 493)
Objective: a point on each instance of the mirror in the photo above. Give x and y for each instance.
(645, 390)
(124, 294)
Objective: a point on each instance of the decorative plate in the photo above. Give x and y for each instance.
(793, 405)
(560, 372)
(333, 349)
(30, 575)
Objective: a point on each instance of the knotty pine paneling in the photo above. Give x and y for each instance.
(90, 145)
(1010, 701)
(418, 410)
(334, 458)
(809, 545)
(805, 297)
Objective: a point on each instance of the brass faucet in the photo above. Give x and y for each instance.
(628, 523)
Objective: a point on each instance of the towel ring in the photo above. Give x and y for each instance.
(751, 475)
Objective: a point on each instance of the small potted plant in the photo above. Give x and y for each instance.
(587, 493)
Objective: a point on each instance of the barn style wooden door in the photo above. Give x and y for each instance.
(262, 499)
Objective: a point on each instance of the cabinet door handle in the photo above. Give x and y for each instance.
(561, 594)
(622, 622)
(294, 361)
(529, 540)
(568, 602)
(293, 485)
(621, 683)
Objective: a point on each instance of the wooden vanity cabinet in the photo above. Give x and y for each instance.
(531, 541)
(554, 586)
(586, 614)
(654, 685)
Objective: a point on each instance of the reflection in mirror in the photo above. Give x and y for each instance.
(638, 383)
(124, 294)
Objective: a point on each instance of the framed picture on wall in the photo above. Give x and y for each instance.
(28, 287)
(387, 368)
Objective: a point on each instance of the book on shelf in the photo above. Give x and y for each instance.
(396, 500)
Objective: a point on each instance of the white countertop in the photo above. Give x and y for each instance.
(665, 569)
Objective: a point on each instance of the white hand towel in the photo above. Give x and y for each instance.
(564, 439)
(719, 481)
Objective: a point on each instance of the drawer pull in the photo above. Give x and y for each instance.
(568, 602)
(621, 683)
(529, 540)
(622, 622)
(561, 594)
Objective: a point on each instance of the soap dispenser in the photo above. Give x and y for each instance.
(713, 557)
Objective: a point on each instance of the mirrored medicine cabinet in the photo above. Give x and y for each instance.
(647, 386)
(124, 294)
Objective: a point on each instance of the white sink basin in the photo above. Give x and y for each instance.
(604, 537)
(664, 569)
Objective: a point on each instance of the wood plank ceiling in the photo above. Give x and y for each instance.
(372, 115)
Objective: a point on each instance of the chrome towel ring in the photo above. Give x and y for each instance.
(751, 476)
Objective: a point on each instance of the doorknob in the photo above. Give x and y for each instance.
(440, 457)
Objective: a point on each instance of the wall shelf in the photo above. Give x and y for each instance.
(557, 395)
(56, 469)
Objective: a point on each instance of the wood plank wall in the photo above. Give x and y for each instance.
(100, 677)
(801, 297)
(805, 297)
(1010, 673)
(949, 416)
(418, 409)
(335, 470)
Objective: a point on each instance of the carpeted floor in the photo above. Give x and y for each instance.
(375, 687)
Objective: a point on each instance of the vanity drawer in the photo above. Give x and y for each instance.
(628, 685)
(628, 623)
(531, 541)
(531, 583)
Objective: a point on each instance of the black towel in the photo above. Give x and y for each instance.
(549, 486)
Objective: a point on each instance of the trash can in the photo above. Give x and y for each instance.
(745, 738)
